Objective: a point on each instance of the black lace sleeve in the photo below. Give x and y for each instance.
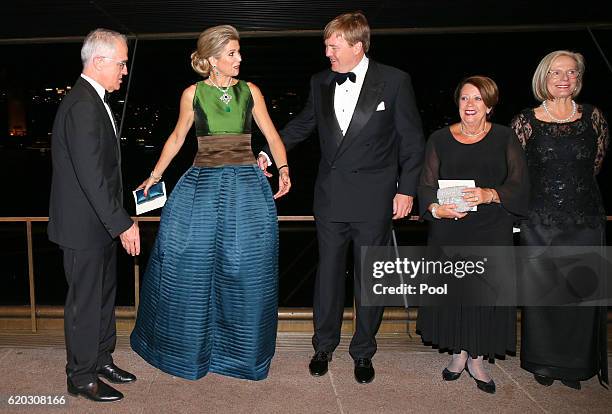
(603, 138)
(514, 192)
(522, 128)
(428, 182)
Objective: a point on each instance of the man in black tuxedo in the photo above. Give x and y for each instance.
(371, 152)
(86, 215)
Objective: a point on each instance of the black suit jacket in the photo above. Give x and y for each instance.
(86, 206)
(380, 154)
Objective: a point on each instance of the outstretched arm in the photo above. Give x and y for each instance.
(299, 128)
(265, 124)
(175, 140)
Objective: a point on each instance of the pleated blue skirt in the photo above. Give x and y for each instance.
(209, 295)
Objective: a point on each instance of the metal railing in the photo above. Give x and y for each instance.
(129, 312)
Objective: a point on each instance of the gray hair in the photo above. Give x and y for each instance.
(100, 42)
(538, 83)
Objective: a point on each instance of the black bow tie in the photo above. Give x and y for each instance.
(106, 98)
(340, 78)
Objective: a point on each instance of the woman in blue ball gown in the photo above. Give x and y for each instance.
(209, 297)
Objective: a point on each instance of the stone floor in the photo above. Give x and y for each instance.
(407, 379)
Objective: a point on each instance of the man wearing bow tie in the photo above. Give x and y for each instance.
(371, 152)
(86, 215)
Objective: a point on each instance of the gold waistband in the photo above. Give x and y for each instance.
(219, 150)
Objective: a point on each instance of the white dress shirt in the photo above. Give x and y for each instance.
(345, 98)
(101, 91)
(347, 94)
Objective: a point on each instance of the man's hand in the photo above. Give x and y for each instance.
(262, 163)
(130, 239)
(402, 204)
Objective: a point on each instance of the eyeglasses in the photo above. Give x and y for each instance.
(557, 74)
(121, 63)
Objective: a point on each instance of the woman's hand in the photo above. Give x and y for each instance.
(284, 183)
(477, 195)
(448, 211)
(262, 163)
(146, 184)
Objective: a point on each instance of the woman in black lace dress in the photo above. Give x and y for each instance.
(565, 144)
(488, 153)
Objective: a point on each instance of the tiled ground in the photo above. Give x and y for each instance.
(407, 380)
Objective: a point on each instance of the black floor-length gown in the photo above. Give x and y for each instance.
(565, 209)
(497, 162)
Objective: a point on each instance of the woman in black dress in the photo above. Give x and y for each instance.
(565, 144)
(488, 153)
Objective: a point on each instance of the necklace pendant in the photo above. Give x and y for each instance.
(226, 98)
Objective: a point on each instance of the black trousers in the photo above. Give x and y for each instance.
(328, 305)
(89, 314)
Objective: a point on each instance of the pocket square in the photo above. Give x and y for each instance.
(381, 106)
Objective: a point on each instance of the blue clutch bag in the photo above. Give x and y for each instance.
(156, 198)
(156, 191)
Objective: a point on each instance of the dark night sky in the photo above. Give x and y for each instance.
(281, 67)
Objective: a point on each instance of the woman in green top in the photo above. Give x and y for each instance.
(209, 297)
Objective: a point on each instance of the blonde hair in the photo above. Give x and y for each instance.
(352, 26)
(538, 83)
(210, 44)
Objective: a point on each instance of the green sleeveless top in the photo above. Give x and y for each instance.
(214, 117)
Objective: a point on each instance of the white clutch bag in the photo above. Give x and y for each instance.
(451, 192)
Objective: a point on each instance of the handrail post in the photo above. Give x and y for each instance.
(136, 276)
(31, 274)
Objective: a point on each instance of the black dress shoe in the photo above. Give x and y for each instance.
(544, 380)
(95, 391)
(319, 362)
(572, 384)
(364, 370)
(488, 387)
(115, 374)
(450, 375)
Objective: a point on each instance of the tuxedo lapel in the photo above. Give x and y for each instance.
(369, 97)
(108, 123)
(328, 90)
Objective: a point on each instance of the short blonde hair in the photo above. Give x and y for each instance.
(210, 44)
(352, 26)
(538, 83)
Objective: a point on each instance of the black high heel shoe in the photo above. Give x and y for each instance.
(450, 375)
(544, 380)
(488, 387)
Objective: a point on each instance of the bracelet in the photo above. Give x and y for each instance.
(433, 211)
(154, 177)
(282, 166)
